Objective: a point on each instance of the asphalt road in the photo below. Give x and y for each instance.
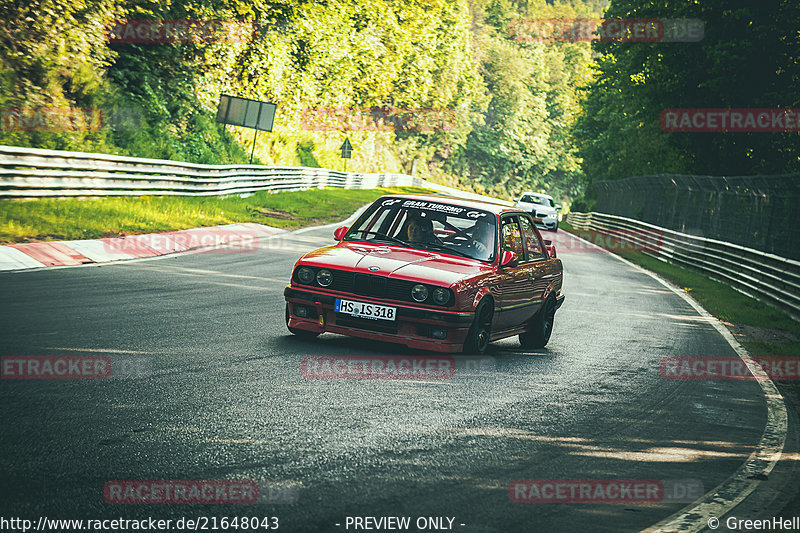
(221, 396)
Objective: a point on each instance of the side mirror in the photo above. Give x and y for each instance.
(551, 249)
(509, 259)
(558, 207)
(340, 232)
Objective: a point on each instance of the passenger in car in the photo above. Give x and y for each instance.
(482, 240)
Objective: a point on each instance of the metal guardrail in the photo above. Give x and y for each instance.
(31, 172)
(764, 276)
(753, 211)
(36, 173)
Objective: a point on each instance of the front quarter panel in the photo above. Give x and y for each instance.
(469, 292)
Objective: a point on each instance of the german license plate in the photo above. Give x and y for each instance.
(365, 310)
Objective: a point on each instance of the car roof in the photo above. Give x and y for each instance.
(492, 207)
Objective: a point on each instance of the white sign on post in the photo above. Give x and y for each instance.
(246, 113)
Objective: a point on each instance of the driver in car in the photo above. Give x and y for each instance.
(420, 231)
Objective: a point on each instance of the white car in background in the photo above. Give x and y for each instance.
(541, 207)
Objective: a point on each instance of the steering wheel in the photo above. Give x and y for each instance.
(479, 247)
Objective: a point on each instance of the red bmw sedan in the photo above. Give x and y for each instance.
(432, 272)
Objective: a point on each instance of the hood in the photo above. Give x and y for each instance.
(396, 262)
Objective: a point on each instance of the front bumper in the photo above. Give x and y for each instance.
(547, 223)
(412, 326)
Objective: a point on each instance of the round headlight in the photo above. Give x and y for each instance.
(441, 296)
(324, 278)
(305, 275)
(419, 293)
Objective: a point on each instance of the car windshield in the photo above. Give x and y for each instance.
(428, 225)
(539, 200)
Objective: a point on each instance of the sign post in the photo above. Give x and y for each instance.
(246, 113)
(346, 149)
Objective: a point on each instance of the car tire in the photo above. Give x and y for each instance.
(541, 326)
(302, 333)
(481, 329)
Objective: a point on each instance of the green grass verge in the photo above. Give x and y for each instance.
(767, 330)
(91, 218)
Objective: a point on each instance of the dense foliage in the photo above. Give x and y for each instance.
(525, 115)
(749, 57)
(514, 103)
